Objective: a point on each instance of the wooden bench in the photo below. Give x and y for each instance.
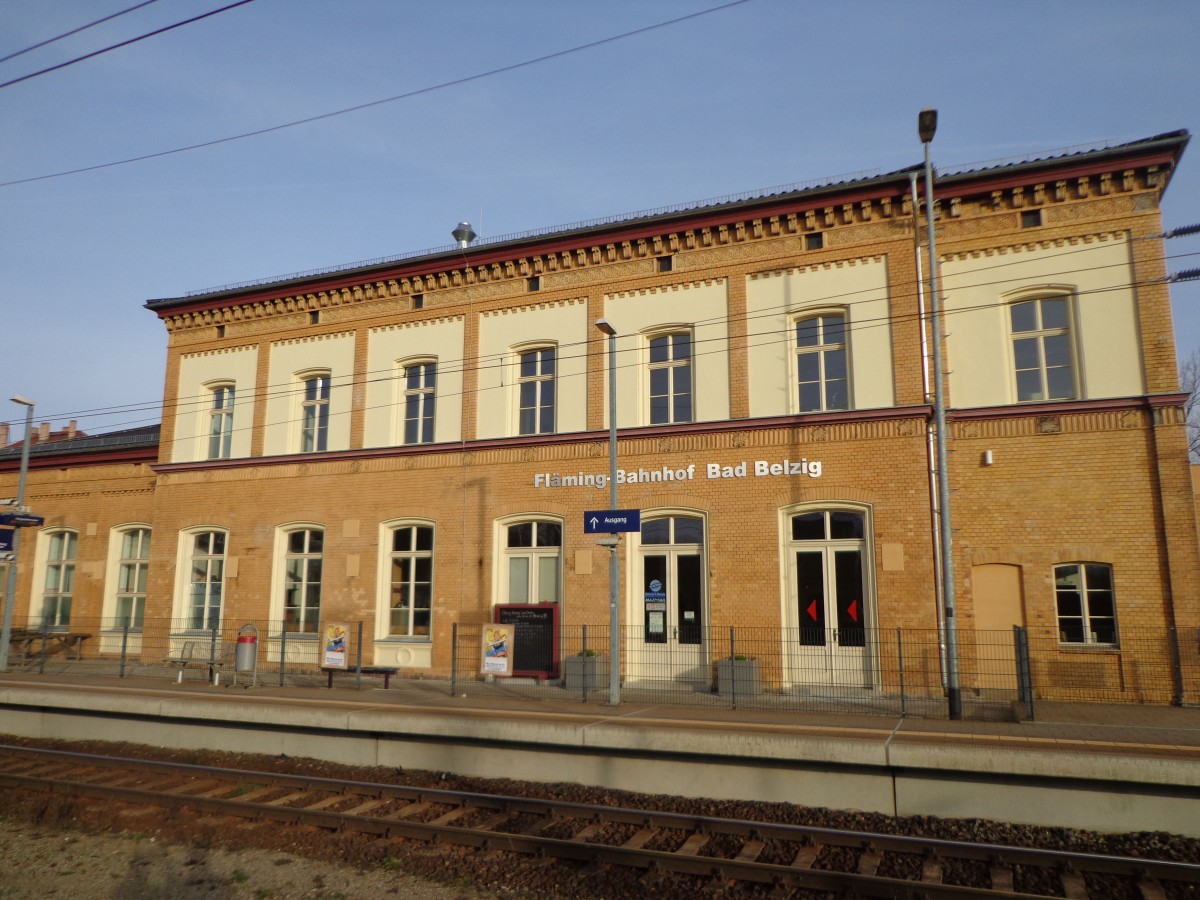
(196, 653)
(385, 671)
(70, 642)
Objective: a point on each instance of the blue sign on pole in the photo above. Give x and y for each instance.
(6, 539)
(21, 520)
(610, 521)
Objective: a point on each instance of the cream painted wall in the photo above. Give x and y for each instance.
(563, 325)
(440, 339)
(975, 291)
(334, 353)
(859, 287)
(703, 307)
(194, 401)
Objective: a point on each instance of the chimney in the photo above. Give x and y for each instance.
(43, 433)
(3, 435)
(71, 427)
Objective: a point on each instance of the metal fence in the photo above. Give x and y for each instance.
(1001, 674)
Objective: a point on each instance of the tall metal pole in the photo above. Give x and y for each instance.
(10, 592)
(614, 563)
(927, 126)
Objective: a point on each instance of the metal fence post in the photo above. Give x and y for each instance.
(732, 670)
(1024, 676)
(213, 676)
(584, 662)
(1176, 667)
(124, 646)
(900, 663)
(282, 651)
(358, 659)
(42, 656)
(454, 660)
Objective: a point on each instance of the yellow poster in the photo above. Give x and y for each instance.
(335, 647)
(497, 643)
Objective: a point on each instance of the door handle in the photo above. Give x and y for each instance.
(675, 633)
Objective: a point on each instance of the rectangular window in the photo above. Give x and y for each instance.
(207, 581)
(420, 396)
(220, 423)
(1042, 354)
(533, 552)
(535, 386)
(132, 573)
(823, 380)
(60, 580)
(302, 581)
(314, 415)
(671, 378)
(1086, 604)
(411, 581)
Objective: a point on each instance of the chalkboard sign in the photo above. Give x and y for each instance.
(535, 637)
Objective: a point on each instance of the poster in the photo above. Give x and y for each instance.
(496, 643)
(334, 656)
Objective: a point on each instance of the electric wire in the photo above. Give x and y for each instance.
(67, 34)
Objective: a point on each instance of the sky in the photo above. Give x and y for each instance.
(731, 98)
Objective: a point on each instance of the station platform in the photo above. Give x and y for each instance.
(1119, 768)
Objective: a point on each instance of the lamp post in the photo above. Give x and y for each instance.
(926, 127)
(614, 564)
(10, 592)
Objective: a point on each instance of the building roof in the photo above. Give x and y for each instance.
(1170, 144)
(128, 439)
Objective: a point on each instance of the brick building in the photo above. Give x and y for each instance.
(411, 442)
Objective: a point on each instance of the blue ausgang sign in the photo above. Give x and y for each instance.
(6, 536)
(610, 521)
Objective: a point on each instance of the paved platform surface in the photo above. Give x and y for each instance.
(1067, 767)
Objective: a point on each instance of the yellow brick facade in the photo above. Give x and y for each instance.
(1095, 478)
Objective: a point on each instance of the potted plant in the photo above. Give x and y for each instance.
(739, 674)
(585, 671)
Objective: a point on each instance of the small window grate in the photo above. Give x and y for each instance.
(814, 241)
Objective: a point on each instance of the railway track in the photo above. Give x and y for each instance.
(786, 859)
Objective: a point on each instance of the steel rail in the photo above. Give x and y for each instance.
(207, 788)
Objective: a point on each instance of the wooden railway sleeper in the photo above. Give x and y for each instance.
(1150, 887)
(640, 839)
(693, 844)
(1002, 877)
(1073, 885)
(807, 856)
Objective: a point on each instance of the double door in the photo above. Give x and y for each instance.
(669, 633)
(829, 643)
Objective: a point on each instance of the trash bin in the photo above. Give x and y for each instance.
(246, 659)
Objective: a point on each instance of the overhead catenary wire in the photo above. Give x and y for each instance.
(73, 31)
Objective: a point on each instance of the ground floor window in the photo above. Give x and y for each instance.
(1086, 603)
(531, 554)
(409, 580)
(302, 580)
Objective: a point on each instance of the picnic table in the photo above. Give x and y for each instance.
(69, 642)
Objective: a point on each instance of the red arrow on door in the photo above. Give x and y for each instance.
(812, 610)
(852, 610)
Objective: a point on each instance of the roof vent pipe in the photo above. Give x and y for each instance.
(464, 234)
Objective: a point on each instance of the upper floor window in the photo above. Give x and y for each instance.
(302, 580)
(59, 587)
(1086, 604)
(420, 397)
(133, 568)
(822, 378)
(671, 378)
(220, 422)
(206, 581)
(410, 582)
(535, 387)
(314, 414)
(1041, 340)
(532, 554)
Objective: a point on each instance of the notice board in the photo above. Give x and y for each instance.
(534, 638)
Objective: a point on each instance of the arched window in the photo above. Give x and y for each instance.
(822, 371)
(1043, 352)
(303, 558)
(220, 421)
(314, 412)
(536, 391)
(420, 400)
(409, 580)
(670, 377)
(206, 579)
(58, 587)
(133, 569)
(531, 552)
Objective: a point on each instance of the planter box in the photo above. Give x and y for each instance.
(746, 672)
(588, 673)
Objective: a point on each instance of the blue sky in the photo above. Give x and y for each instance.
(759, 94)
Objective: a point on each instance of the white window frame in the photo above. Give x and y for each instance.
(182, 613)
(383, 618)
(1085, 617)
(42, 562)
(1040, 334)
(821, 350)
(217, 419)
(314, 436)
(504, 555)
(280, 582)
(672, 365)
(426, 396)
(539, 379)
(115, 569)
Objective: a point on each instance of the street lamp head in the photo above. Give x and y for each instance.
(24, 401)
(927, 124)
(606, 326)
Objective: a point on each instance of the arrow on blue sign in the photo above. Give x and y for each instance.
(610, 521)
